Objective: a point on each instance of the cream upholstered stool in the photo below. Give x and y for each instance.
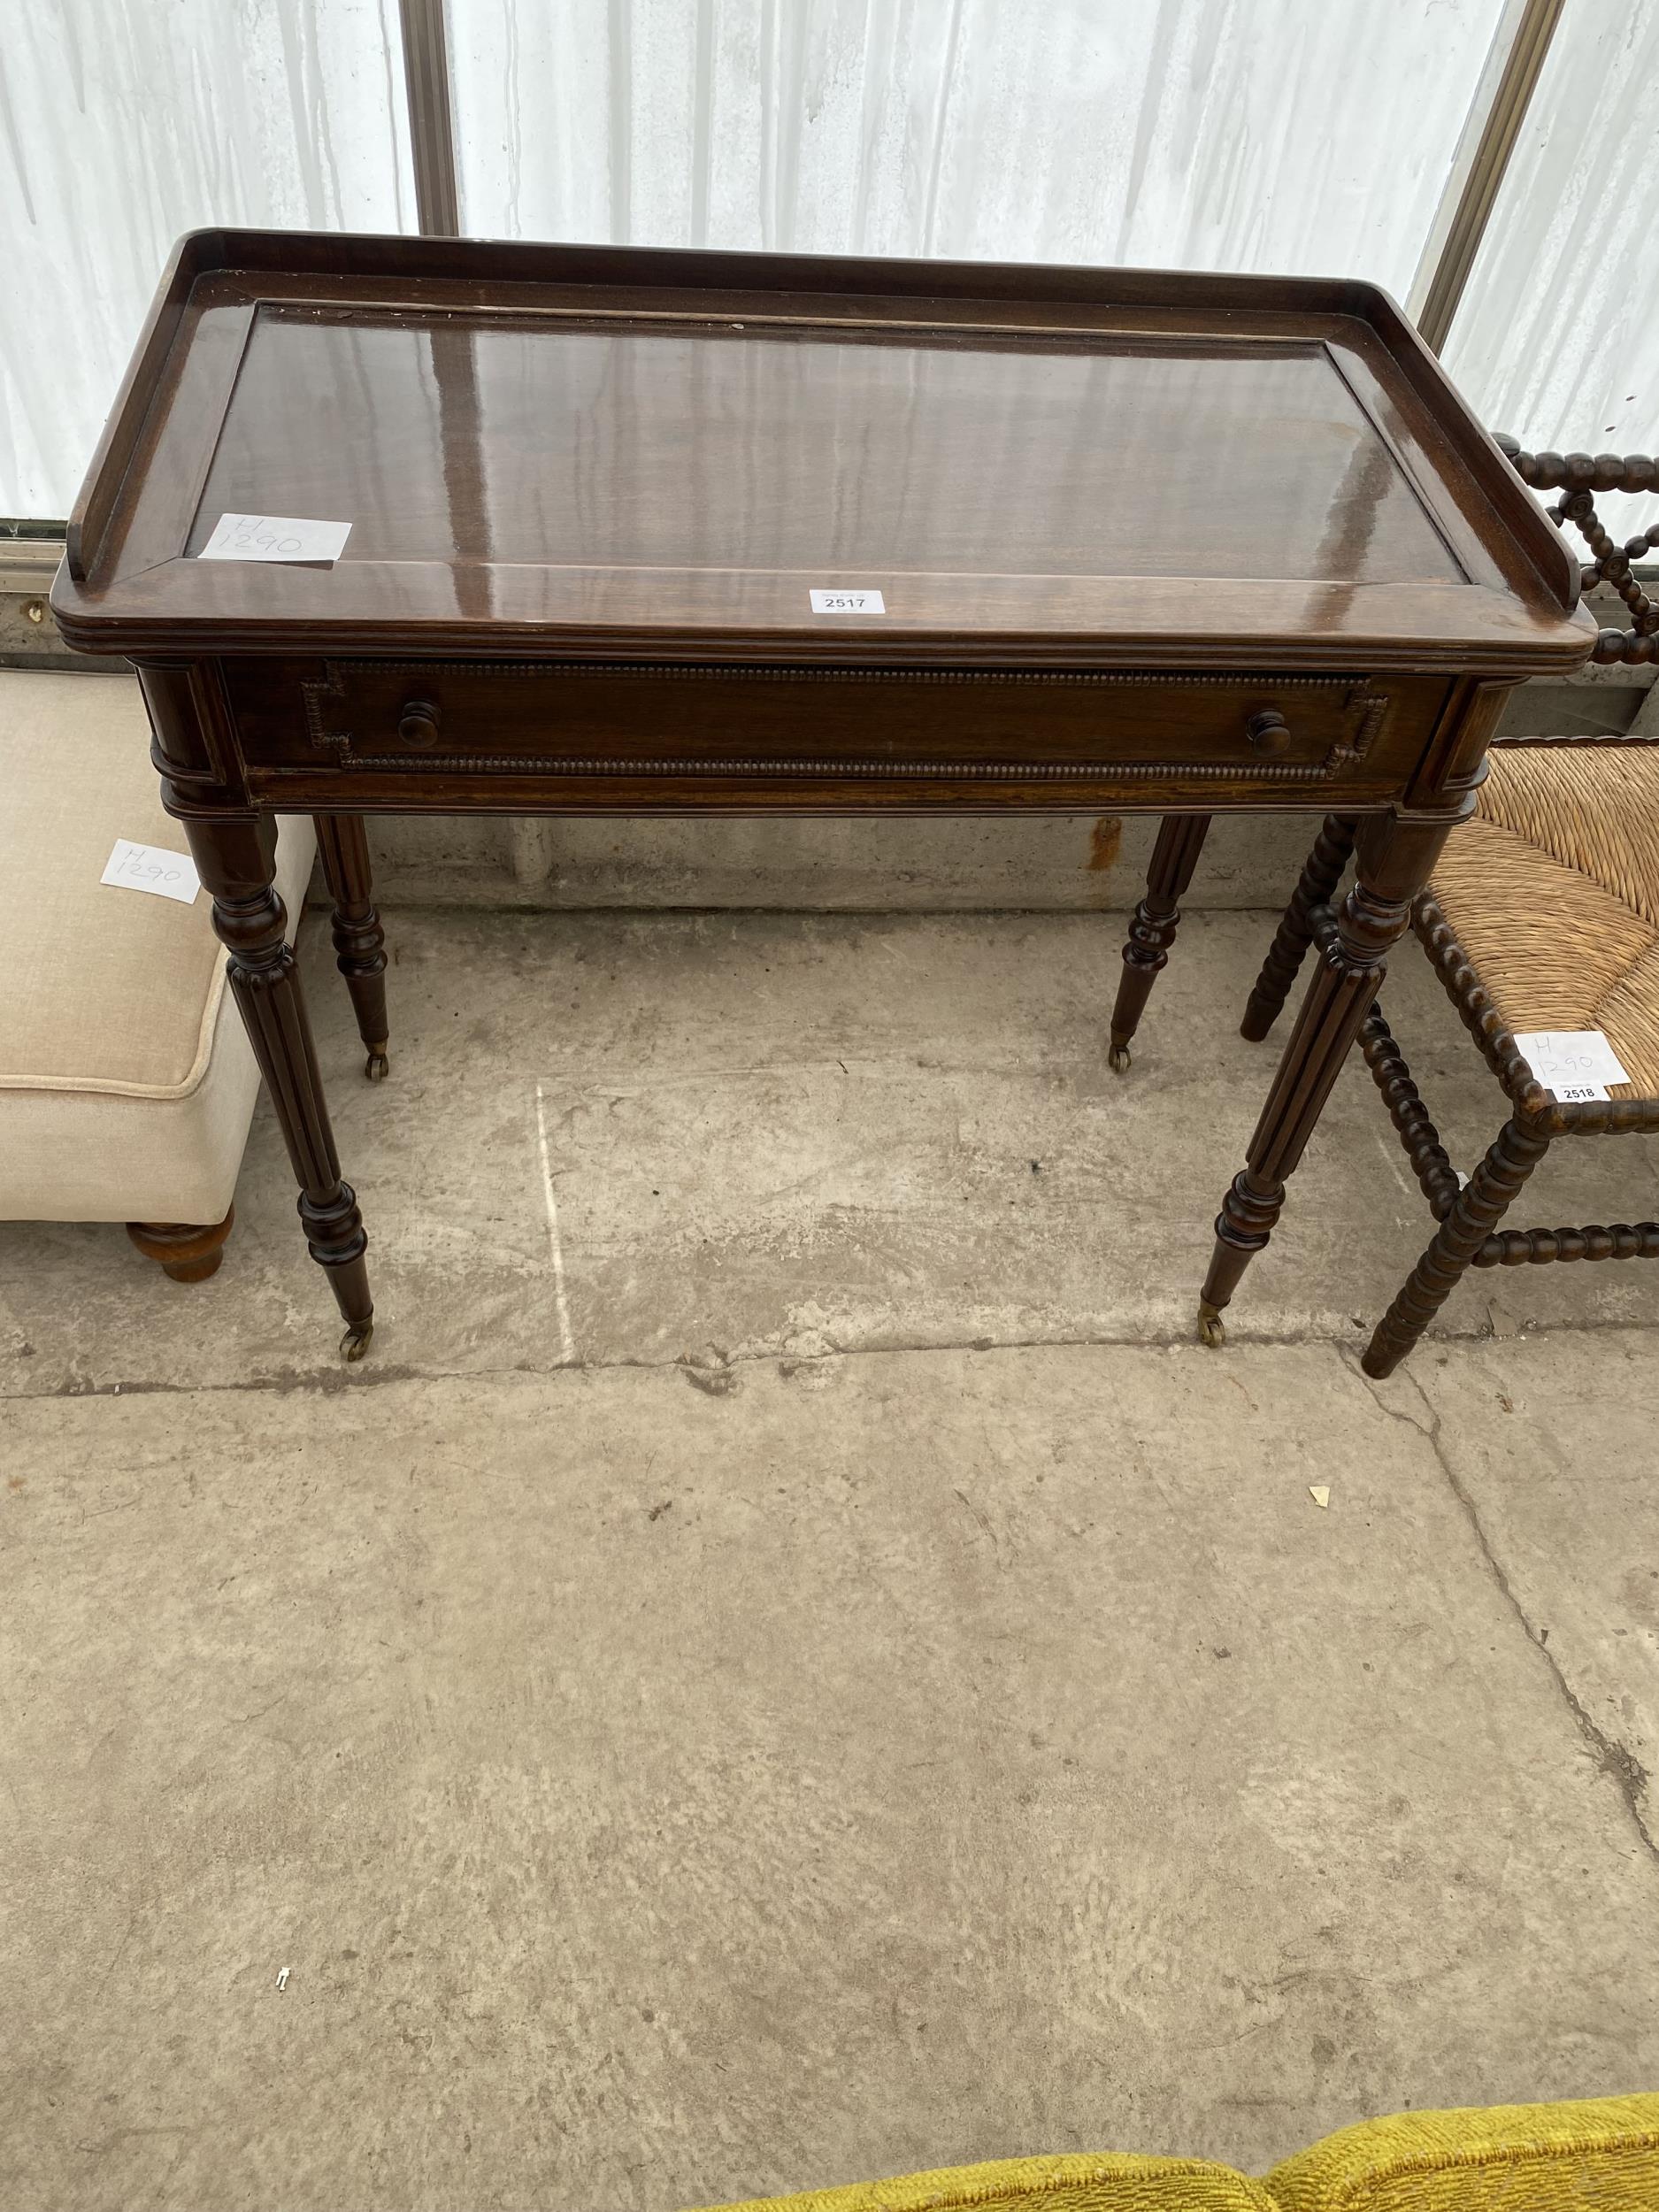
(127, 1082)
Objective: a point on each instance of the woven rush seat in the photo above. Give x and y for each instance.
(1552, 889)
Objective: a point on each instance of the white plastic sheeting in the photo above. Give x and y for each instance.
(1267, 134)
(1284, 135)
(124, 123)
(1557, 338)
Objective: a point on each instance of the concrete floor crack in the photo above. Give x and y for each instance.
(370, 1374)
(1615, 1760)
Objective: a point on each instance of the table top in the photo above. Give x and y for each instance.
(631, 453)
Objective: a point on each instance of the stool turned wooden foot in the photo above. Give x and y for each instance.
(185, 1252)
(1321, 873)
(359, 938)
(1157, 917)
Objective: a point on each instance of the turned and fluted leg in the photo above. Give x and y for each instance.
(1152, 931)
(1493, 1186)
(1395, 859)
(359, 940)
(1321, 873)
(235, 860)
(187, 1252)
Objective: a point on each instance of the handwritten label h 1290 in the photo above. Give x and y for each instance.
(133, 867)
(275, 538)
(1576, 1064)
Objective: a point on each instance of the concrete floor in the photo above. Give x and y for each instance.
(787, 1664)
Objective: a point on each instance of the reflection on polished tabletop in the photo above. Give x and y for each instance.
(596, 449)
(740, 447)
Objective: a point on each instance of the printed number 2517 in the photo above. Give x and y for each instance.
(832, 601)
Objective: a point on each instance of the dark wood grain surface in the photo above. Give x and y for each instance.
(731, 446)
(584, 737)
(590, 449)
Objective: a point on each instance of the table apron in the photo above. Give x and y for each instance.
(543, 736)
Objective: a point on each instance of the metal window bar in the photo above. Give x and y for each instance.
(431, 116)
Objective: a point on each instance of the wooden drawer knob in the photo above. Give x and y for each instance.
(418, 725)
(1268, 732)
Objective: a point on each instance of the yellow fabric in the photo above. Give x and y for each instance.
(1553, 891)
(1598, 2157)
(1601, 2155)
(1105, 2181)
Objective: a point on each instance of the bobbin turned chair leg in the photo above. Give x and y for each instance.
(1431, 1163)
(184, 1251)
(359, 940)
(1152, 931)
(1321, 873)
(1413, 1126)
(1496, 1183)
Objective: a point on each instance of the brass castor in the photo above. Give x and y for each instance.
(355, 1343)
(1120, 1056)
(376, 1066)
(1212, 1327)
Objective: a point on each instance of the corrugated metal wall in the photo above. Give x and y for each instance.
(1266, 134)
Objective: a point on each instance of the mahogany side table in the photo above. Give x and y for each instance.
(637, 531)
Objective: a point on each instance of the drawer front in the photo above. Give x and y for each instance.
(616, 735)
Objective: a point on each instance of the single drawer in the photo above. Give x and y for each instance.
(705, 730)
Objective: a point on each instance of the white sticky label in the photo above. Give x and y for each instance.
(842, 601)
(275, 538)
(132, 867)
(1576, 1064)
